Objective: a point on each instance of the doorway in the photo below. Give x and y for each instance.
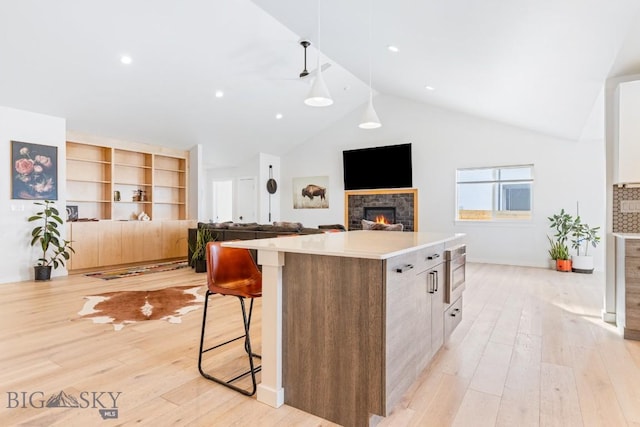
(246, 200)
(222, 201)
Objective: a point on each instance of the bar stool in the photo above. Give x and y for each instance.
(232, 271)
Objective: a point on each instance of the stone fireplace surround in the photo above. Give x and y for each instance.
(404, 200)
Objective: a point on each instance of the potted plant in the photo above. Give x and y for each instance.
(55, 251)
(583, 236)
(555, 252)
(199, 250)
(563, 224)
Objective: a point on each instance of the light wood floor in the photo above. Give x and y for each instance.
(531, 350)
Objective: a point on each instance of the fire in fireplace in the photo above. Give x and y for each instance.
(381, 215)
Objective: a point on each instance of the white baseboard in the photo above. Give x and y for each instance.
(608, 317)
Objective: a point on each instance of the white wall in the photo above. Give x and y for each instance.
(565, 172)
(18, 257)
(197, 188)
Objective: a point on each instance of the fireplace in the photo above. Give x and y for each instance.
(399, 206)
(381, 214)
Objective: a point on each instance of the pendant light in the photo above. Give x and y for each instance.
(319, 94)
(370, 119)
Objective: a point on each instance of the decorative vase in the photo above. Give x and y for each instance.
(582, 264)
(42, 272)
(563, 265)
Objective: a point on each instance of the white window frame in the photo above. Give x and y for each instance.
(508, 216)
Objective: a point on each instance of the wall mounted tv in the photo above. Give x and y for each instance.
(377, 167)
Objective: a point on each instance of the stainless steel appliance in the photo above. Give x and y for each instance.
(455, 269)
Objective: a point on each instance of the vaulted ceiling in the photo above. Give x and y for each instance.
(537, 64)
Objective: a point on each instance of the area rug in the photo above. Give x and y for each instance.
(136, 271)
(125, 307)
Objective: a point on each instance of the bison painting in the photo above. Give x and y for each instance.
(313, 190)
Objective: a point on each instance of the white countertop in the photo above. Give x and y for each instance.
(627, 235)
(352, 244)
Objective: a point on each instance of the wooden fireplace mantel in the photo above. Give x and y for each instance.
(413, 191)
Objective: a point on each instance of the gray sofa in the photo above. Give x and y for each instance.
(249, 231)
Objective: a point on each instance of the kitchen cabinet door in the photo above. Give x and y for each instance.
(437, 308)
(628, 133)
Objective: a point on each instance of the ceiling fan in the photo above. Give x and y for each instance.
(305, 74)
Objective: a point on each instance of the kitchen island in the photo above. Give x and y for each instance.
(628, 284)
(349, 320)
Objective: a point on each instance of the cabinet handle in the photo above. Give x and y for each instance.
(455, 311)
(431, 283)
(436, 279)
(434, 256)
(404, 268)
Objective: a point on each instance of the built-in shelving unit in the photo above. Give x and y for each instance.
(89, 179)
(170, 186)
(120, 184)
(133, 179)
(114, 182)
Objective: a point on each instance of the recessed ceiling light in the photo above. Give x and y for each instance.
(125, 59)
(393, 48)
(279, 116)
(429, 87)
(219, 94)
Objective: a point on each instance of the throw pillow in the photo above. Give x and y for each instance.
(370, 225)
(288, 225)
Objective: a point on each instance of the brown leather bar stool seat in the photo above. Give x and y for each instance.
(232, 271)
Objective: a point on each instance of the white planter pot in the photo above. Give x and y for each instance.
(582, 264)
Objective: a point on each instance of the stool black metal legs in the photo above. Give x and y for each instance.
(247, 347)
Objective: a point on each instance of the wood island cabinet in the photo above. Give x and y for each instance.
(112, 184)
(628, 286)
(357, 333)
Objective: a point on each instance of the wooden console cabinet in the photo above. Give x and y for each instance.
(109, 243)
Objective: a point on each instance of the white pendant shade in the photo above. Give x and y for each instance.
(370, 119)
(319, 94)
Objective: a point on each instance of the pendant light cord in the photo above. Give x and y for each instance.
(319, 70)
(370, 37)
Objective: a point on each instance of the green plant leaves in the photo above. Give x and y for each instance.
(582, 235)
(47, 236)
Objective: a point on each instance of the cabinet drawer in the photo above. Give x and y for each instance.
(401, 267)
(632, 248)
(452, 317)
(430, 257)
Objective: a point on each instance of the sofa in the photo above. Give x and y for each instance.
(249, 231)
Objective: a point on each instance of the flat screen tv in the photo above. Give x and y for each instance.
(377, 167)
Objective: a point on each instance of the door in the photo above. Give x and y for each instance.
(246, 200)
(222, 201)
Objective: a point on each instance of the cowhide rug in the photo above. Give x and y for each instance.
(123, 307)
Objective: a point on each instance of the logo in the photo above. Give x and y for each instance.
(106, 402)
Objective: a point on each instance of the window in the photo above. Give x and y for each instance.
(494, 194)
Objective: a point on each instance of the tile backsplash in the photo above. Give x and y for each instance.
(625, 222)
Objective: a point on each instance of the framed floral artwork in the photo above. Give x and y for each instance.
(34, 171)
